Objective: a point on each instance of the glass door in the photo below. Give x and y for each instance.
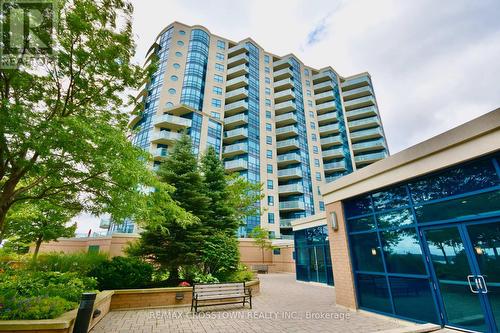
(313, 265)
(317, 264)
(461, 276)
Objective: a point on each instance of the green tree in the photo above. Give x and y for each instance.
(220, 255)
(62, 128)
(261, 238)
(38, 223)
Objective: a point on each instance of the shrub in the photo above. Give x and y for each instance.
(243, 274)
(34, 307)
(122, 273)
(205, 278)
(81, 263)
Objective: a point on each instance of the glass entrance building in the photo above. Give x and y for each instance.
(426, 246)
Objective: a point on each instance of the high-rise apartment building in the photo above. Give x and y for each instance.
(273, 119)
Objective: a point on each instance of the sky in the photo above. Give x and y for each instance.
(434, 64)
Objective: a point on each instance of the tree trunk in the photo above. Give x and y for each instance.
(37, 247)
(3, 214)
(262, 249)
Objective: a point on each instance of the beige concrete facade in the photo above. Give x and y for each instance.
(250, 253)
(329, 150)
(471, 140)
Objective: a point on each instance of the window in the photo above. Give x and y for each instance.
(266, 58)
(93, 249)
(316, 162)
(269, 153)
(169, 104)
(308, 92)
(216, 103)
(269, 168)
(219, 67)
(217, 90)
(268, 91)
(315, 149)
(306, 72)
(269, 127)
(311, 114)
(221, 45)
(318, 176)
(182, 32)
(177, 66)
(314, 137)
(322, 206)
(308, 83)
(268, 80)
(277, 251)
(267, 70)
(309, 103)
(270, 184)
(215, 114)
(270, 200)
(272, 235)
(269, 140)
(268, 102)
(178, 54)
(318, 190)
(180, 43)
(174, 78)
(268, 114)
(219, 56)
(313, 125)
(171, 91)
(218, 78)
(270, 218)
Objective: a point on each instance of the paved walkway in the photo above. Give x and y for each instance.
(283, 305)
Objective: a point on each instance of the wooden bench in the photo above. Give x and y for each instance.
(263, 269)
(220, 294)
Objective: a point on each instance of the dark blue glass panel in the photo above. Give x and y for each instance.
(413, 299)
(398, 218)
(366, 252)
(373, 292)
(358, 206)
(467, 206)
(302, 263)
(466, 178)
(402, 252)
(361, 224)
(391, 198)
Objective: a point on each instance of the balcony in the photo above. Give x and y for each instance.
(371, 133)
(284, 95)
(237, 71)
(283, 63)
(357, 93)
(135, 119)
(355, 83)
(290, 189)
(170, 121)
(237, 60)
(235, 135)
(159, 153)
(284, 107)
(330, 141)
(361, 113)
(283, 84)
(323, 87)
(335, 166)
(286, 223)
(179, 110)
(236, 83)
(324, 97)
(368, 146)
(104, 223)
(328, 129)
(236, 107)
(292, 205)
(237, 49)
(359, 103)
(286, 131)
(327, 118)
(143, 92)
(289, 158)
(235, 121)
(286, 119)
(236, 95)
(333, 153)
(165, 137)
(282, 74)
(369, 158)
(235, 149)
(236, 165)
(364, 123)
(287, 145)
(292, 173)
(322, 77)
(326, 107)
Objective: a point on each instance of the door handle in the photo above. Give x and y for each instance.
(482, 284)
(469, 278)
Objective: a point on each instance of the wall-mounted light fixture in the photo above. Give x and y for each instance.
(335, 222)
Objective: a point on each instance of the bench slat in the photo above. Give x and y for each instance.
(223, 288)
(209, 297)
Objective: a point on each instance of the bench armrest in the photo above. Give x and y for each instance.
(248, 291)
